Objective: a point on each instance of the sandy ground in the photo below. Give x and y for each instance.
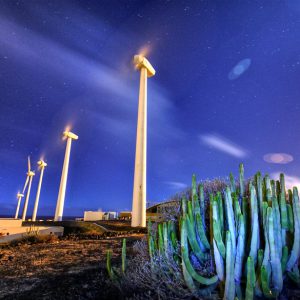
(64, 269)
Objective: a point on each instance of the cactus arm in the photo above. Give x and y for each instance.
(202, 203)
(240, 250)
(186, 259)
(290, 217)
(216, 229)
(230, 219)
(201, 231)
(275, 261)
(259, 194)
(254, 226)
(220, 211)
(160, 239)
(188, 279)
(250, 285)
(124, 256)
(265, 284)
(232, 182)
(219, 262)
(284, 258)
(183, 206)
(229, 282)
(283, 209)
(296, 245)
(193, 241)
(242, 184)
(108, 265)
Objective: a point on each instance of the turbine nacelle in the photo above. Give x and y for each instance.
(42, 164)
(71, 135)
(140, 62)
(30, 173)
(20, 195)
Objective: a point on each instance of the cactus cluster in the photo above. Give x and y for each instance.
(249, 233)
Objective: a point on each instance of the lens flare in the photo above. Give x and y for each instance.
(278, 158)
(240, 68)
(145, 50)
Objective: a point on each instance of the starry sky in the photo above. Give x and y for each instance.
(227, 90)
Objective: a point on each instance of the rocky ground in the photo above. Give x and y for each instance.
(60, 269)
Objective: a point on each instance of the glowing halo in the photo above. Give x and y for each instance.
(278, 158)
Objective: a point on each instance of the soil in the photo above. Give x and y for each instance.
(63, 269)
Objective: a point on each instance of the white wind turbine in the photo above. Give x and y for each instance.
(19, 197)
(42, 166)
(29, 178)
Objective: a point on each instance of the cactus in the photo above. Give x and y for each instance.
(252, 240)
(229, 282)
(109, 268)
(123, 256)
(250, 279)
(242, 184)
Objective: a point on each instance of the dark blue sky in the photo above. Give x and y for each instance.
(227, 89)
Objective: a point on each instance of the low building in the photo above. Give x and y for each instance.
(125, 215)
(110, 215)
(93, 215)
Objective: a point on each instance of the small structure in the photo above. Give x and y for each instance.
(110, 215)
(125, 215)
(93, 215)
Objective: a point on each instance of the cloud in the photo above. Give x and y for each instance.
(278, 158)
(290, 181)
(220, 143)
(176, 185)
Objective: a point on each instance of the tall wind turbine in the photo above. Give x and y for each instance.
(29, 178)
(64, 175)
(42, 166)
(139, 186)
(19, 197)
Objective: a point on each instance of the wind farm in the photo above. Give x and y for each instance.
(149, 150)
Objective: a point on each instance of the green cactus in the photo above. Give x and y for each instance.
(230, 219)
(232, 183)
(109, 268)
(242, 184)
(283, 209)
(240, 252)
(229, 281)
(253, 220)
(294, 256)
(185, 256)
(123, 256)
(250, 285)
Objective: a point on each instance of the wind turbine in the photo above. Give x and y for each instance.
(29, 178)
(64, 175)
(19, 197)
(139, 186)
(42, 166)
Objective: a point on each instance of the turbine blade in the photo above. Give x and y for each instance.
(25, 185)
(29, 165)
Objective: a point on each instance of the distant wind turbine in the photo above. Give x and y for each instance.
(19, 197)
(42, 166)
(29, 178)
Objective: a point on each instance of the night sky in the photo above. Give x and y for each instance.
(227, 90)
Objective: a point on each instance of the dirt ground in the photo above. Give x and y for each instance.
(63, 269)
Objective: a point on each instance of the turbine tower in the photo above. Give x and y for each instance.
(139, 186)
(29, 178)
(19, 197)
(63, 181)
(42, 166)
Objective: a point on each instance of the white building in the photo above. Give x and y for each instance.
(93, 215)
